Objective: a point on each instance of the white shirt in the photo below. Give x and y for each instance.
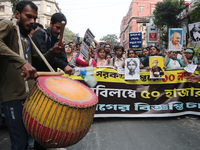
(174, 63)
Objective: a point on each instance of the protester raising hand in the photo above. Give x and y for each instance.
(57, 48)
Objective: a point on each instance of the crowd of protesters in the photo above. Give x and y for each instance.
(18, 53)
(102, 55)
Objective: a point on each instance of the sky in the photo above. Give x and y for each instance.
(102, 17)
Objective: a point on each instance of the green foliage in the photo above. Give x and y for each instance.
(14, 3)
(165, 16)
(112, 38)
(166, 12)
(195, 14)
(70, 36)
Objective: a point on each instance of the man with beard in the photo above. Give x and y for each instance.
(16, 54)
(107, 48)
(45, 41)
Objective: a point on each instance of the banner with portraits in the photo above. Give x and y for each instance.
(132, 69)
(170, 96)
(175, 39)
(194, 31)
(156, 64)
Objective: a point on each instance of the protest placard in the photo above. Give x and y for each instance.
(175, 39)
(135, 41)
(194, 30)
(132, 69)
(87, 41)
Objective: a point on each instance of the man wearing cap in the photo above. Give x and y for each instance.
(191, 57)
(174, 44)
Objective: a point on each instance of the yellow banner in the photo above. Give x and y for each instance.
(111, 75)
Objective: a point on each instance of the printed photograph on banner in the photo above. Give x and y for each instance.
(194, 31)
(87, 41)
(175, 39)
(156, 67)
(132, 69)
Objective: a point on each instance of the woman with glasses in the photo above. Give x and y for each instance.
(171, 60)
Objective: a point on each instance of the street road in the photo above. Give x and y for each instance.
(135, 134)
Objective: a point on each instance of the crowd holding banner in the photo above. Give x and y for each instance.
(136, 83)
(170, 96)
(152, 93)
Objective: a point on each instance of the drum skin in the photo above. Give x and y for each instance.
(59, 111)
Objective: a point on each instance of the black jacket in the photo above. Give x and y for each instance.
(44, 41)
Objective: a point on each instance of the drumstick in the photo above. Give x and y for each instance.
(61, 32)
(23, 74)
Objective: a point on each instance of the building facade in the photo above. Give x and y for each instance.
(46, 8)
(138, 10)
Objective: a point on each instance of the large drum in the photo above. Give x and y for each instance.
(59, 111)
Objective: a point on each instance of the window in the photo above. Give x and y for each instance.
(11, 9)
(130, 28)
(38, 7)
(48, 9)
(1, 8)
(141, 9)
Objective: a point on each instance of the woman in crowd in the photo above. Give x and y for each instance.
(108, 58)
(92, 62)
(118, 60)
(154, 51)
(132, 54)
(74, 61)
(101, 62)
(171, 60)
(145, 53)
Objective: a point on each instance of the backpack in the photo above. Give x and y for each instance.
(46, 35)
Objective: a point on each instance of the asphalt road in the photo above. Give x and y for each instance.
(135, 134)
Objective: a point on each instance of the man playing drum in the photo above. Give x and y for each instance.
(16, 54)
(46, 39)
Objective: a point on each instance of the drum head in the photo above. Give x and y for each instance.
(67, 91)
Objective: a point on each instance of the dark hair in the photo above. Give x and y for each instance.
(58, 17)
(108, 54)
(155, 47)
(144, 49)
(129, 52)
(35, 25)
(69, 47)
(21, 4)
(100, 49)
(119, 47)
(78, 44)
(70, 43)
(107, 44)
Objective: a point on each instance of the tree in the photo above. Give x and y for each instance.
(165, 16)
(195, 14)
(14, 3)
(112, 38)
(70, 36)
